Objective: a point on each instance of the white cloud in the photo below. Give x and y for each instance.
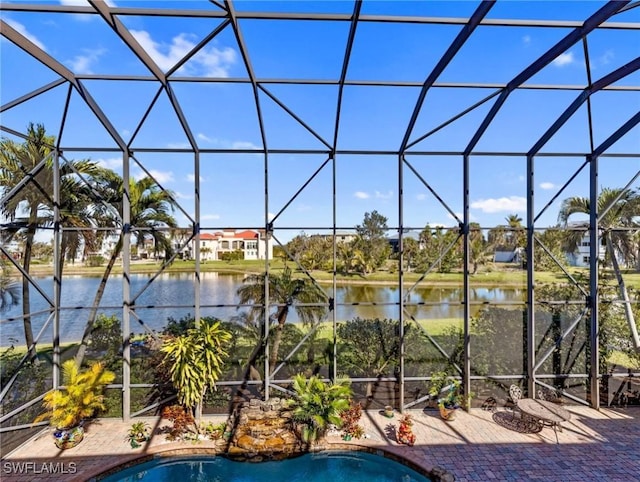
(209, 61)
(179, 145)
(507, 204)
(81, 64)
(602, 60)
(547, 185)
(22, 30)
(83, 3)
(564, 59)
(112, 163)
(361, 195)
(243, 145)
(192, 177)
(209, 217)
(216, 62)
(381, 195)
(227, 144)
(180, 195)
(203, 137)
(606, 57)
(421, 197)
(161, 176)
(270, 216)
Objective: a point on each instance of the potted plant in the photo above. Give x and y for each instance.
(405, 431)
(138, 433)
(388, 411)
(82, 397)
(318, 404)
(446, 391)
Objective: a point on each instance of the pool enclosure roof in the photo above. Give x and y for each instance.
(325, 77)
(275, 101)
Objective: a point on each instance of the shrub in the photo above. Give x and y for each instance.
(318, 404)
(350, 418)
(181, 421)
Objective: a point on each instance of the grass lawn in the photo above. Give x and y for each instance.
(500, 276)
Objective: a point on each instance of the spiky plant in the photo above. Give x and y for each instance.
(196, 360)
(82, 397)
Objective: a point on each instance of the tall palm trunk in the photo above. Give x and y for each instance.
(624, 294)
(82, 349)
(26, 299)
(277, 338)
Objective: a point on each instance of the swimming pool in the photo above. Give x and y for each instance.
(319, 467)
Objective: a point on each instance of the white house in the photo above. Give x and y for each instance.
(252, 244)
(581, 257)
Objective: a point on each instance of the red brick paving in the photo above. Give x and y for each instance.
(594, 446)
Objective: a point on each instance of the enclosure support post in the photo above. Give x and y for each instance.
(400, 279)
(466, 371)
(58, 259)
(594, 252)
(196, 237)
(267, 240)
(531, 328)
(126, 289)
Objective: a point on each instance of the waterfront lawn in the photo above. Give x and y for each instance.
(499, 275)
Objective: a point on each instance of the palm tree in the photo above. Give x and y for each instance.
(479, 249)
(621, 208)
(150, 210)
(516, 236)
(31, 205)
(286, 291)
(17, 161)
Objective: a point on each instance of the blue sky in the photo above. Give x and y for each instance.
(223, 115)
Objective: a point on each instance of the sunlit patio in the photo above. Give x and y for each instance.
(594, 445)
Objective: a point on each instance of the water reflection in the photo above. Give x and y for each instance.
(173, 294)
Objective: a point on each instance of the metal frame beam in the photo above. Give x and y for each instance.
(336, 17)
(545, 59)
(464, 34)
(225, 15)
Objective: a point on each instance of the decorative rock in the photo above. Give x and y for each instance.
(275, 444)
(264, 432)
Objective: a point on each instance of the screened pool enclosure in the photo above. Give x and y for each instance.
(379, 190)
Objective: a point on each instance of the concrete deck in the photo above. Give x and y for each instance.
(594, 446)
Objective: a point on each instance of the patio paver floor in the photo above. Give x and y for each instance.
(593, 445)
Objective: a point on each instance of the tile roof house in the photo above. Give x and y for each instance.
(252, 244)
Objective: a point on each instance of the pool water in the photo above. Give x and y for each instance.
(330, 467)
